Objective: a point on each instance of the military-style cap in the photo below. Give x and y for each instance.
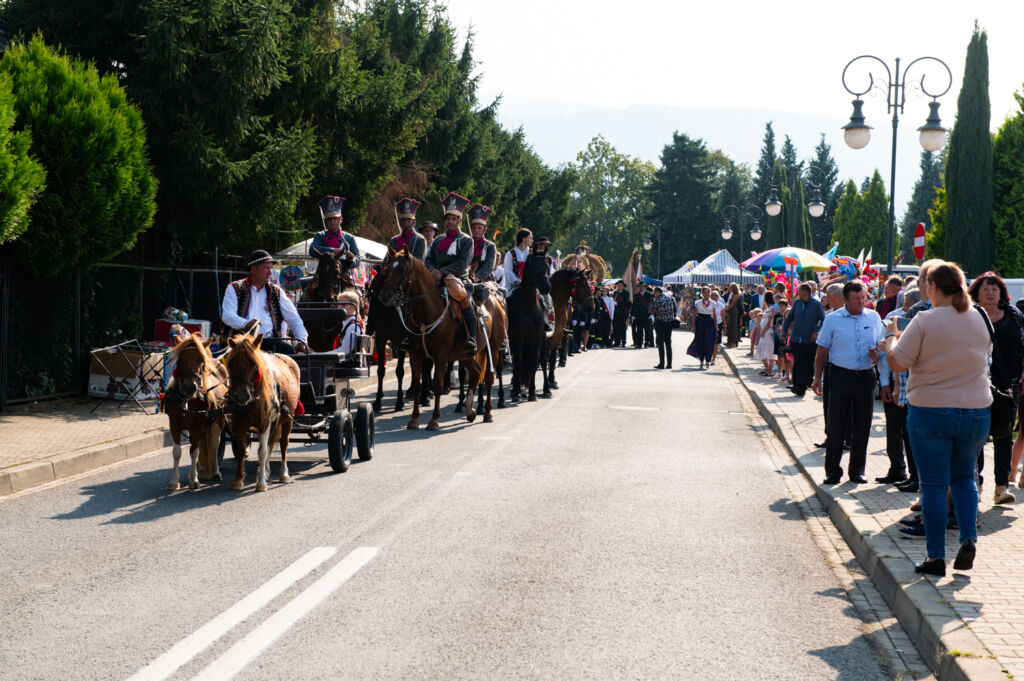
(259, 256)
(454, 204)
(541, 240)
(406, 208)
(330, 206)
(479, 213)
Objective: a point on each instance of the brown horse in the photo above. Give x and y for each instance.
(198, 388)
(437, 331)
(566, 284)
(326, 287)
(263, 392)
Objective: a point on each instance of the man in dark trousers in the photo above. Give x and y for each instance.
(622, 308)
(641, 312)
(804, 319)
(848, 342)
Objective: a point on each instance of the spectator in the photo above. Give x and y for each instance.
(894, 402)
(781, 307)
(804, 319)
(702, 321)
(893, 287)
(732, 312)
(848, 342)
(1005, 372)
(664, 311)
(947, 349)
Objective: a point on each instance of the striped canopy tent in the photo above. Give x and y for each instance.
(685, 269)
(717, 268)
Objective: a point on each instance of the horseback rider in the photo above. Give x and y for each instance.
(481, 267)
(515, 260)
(256, 298)
(333, 239)
(448, 259)
(408, 238)
(428, 231)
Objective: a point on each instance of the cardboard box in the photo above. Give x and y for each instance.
(128, 364)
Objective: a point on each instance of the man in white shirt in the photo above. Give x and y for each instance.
(256, 299)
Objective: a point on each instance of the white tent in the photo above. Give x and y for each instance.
(717, 268)
(368, 250)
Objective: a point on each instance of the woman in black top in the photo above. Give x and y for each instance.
(1005, 372)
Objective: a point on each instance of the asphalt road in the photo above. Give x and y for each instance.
(633, 527)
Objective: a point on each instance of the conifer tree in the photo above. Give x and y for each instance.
(765, 166)
(1008, 186)
(922, 199)
(969, 166)
(831, 190)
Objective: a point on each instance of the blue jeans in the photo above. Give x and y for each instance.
(946, 443)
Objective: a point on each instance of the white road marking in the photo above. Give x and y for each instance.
(165, 665)
(628, 408)
(245, 651)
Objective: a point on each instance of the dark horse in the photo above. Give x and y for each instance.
(526, 334)
(387, 328)
(437, 333)
(328, 283)
(565, 285)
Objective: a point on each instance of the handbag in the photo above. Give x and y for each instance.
(676, 323)
(1004, 407)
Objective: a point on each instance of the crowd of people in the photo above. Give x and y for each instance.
(946, 360)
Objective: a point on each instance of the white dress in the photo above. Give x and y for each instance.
(766, 343)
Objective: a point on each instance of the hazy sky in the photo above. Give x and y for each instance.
(784, 55)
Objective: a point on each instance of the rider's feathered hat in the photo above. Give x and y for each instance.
(330, 206)
(479, 213)
(454, 204)
(406, 208)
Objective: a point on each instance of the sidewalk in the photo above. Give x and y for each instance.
(967, 625)
(61, 439)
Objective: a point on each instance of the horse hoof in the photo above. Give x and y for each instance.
(173, 486)
(237, 485)
(488, 418)
(554, 386)
(413, 425)
(561, 364)
(285, 479)
(532, 398)
(261, 487)
(377, 406)
(399, 406)
(433, 425)
(471, 415)
(501, 404)
(458, 408)
(193, 485)
(217, 477)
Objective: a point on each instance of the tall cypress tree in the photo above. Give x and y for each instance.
(1008, 185)
(848, 224)
(776, 229)
(969, 166)
(922, 198)
(788, 156)
(831, 190)
(875, 220)
(765, 166)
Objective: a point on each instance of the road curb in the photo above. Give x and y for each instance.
(948, 646)
(21, 477)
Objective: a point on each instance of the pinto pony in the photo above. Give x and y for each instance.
(198, 388)
(263, 394)
(437, 333)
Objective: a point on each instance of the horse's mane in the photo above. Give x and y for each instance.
(243, 345)
(194, 341)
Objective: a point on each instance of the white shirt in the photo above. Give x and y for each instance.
(719, 308)
(510, 278)
(703, 308)
(259, 308)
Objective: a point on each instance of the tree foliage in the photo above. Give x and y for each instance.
(969, 165)
(828, 182)
(921, 200)
(21, 177)
(1008, 186)
(682, 201)
(765, 171)
(862, 220)
(92, 142)
(935, 241)
(612, 203)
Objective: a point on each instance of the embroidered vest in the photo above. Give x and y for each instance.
(244, 294)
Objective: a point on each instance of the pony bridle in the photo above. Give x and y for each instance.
(400, 299)
(202, 392)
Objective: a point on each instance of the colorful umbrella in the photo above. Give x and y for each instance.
(775, 259)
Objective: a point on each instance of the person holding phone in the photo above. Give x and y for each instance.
(894, 403)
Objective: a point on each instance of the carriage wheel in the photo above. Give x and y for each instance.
(366, 431)
(339, 441)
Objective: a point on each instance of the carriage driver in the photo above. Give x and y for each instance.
(448, 258)
(333, 239)
(484, 252)
(408, 238)
(256, 298)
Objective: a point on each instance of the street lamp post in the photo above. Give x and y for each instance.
(732, 212)
(857, 133)
(816, 207)
(648, 245)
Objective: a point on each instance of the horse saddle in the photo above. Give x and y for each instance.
(481, 292)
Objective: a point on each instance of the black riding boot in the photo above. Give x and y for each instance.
(470, 315)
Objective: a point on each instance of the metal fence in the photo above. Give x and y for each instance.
(48, 325)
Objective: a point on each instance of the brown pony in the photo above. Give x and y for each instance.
(411, 289)
(566, 284)
(198, 388)
(263, 391)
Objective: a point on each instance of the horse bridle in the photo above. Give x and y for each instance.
(203, 392)
(401, 300)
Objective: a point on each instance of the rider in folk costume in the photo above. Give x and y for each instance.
(333, 239)
(408, 238)
(485, 253)
(448, 259)
(515, 263)
(256, 298)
